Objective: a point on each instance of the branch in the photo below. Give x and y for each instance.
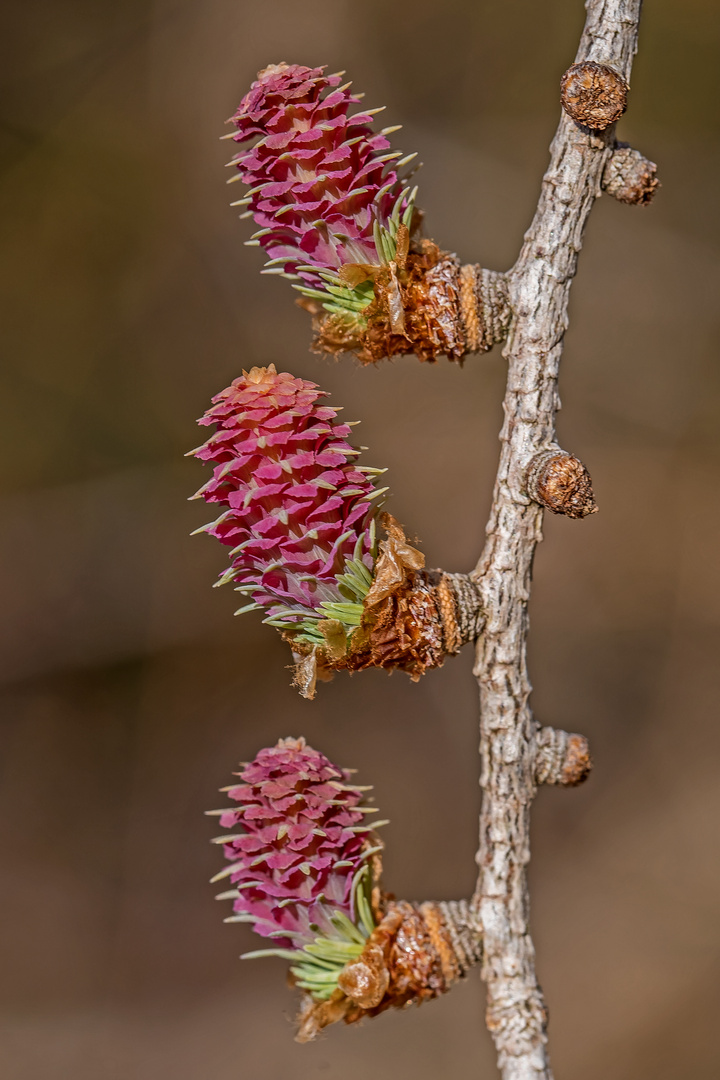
(373, 285)
(539, 286)
(379, 291)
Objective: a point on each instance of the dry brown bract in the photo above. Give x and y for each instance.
(412, 618)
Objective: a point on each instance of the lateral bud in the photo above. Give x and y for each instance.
(561, 758)
(629, 177)
(593, 95)
(560, 483)
(417, 952)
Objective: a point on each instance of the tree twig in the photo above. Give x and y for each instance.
(539, 286)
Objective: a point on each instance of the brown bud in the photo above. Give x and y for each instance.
(629, 177)
(427, 947)
(561, 758)
(560, 483)
(594, 95)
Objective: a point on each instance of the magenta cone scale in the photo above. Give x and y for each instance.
(325, 189)
(303, 842)
(297, 511)
(300, 861)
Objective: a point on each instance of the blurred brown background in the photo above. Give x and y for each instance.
(128, 690)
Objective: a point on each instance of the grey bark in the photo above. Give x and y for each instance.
(539, 286)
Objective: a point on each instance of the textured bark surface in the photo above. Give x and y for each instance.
(539, 286)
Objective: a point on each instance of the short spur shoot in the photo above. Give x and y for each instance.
(304, 869)
(335, 206)
(311, 547)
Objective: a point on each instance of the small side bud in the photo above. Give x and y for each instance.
(561, 758)
(560, 483)
(593, 95)
(629, 177)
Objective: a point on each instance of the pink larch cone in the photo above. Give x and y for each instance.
(296, 509)
(303, 842)
(324, 188)
(336, 213)
(306, 871)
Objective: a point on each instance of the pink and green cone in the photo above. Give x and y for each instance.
(300, 861)
(297, 511)
(325, 189)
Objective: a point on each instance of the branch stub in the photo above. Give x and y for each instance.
(561, 758)
(560, 483)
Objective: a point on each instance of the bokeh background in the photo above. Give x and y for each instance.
(129, 692)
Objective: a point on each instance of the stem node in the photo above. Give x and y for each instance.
(560, 483)
(561, 758)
